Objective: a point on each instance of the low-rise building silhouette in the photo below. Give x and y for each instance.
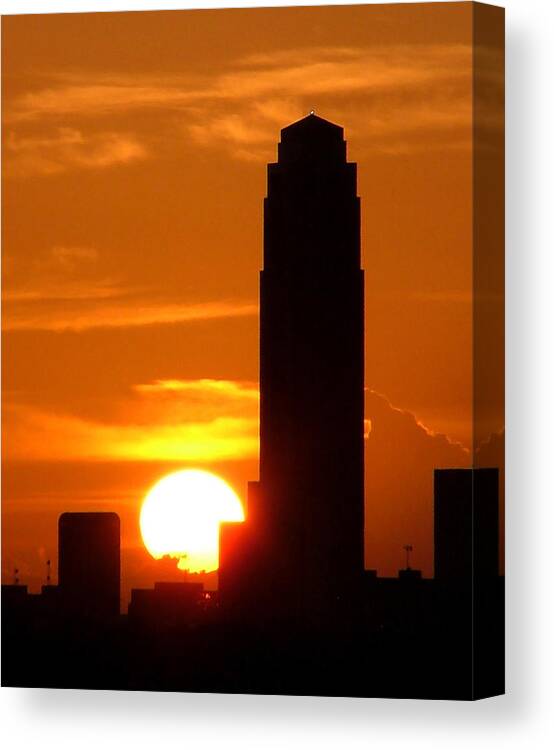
(89, 563)
(409, 574)
(466, 525)
(14, 598)
(168, 604)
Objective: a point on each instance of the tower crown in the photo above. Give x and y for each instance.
(310, 125)
(312, 139)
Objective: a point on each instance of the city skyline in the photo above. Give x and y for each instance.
(158, 148)
(298, 492)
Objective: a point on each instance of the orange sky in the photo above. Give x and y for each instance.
(135, 151)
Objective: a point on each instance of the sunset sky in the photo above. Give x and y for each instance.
(135, 150)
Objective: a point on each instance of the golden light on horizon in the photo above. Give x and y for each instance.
(181, 514)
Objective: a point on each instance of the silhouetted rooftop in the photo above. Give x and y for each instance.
(312, 139)
(85, 519)
(310, 126)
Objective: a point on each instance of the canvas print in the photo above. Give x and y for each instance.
(253, 336)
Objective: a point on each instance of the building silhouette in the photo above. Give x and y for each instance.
(167, 604)
(466, 525)
(89, 563)
(303, 538)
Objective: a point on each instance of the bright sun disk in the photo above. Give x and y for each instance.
(181, 514)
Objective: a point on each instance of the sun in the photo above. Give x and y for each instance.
(181, 514)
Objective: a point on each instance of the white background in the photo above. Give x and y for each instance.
(525, 717)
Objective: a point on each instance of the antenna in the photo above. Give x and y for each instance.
(48, 571)
(408, 548)
(16, 576)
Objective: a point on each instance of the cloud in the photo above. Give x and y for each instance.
(66, 149)
(59, 275)
(196, 400)
(72, 257)
(304, 71)
(199, 421)
(387, 94)
(122, 312)
(202, 387)
(207, 420)
(401, 455)
(108, 95)
(62, 289)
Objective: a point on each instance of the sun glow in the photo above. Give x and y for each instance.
(181, 514)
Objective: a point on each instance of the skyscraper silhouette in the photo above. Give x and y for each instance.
(89, 563)
(304, 532)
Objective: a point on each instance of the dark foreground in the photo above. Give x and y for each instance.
(427, 648)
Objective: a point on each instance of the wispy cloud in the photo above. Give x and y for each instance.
(52, 437)
(308, 71)
(105, 95)
(67, 288)
(198, 420)
(120, 313)
(387, 92)
(71, 258)
(68, 148)
(192, 400)
(242, 391)
(50, 290)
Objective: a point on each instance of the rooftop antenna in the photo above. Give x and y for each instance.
(48, 571)
(16, 576)
(408, 548)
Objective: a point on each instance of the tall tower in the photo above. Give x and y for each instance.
(307, 510)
